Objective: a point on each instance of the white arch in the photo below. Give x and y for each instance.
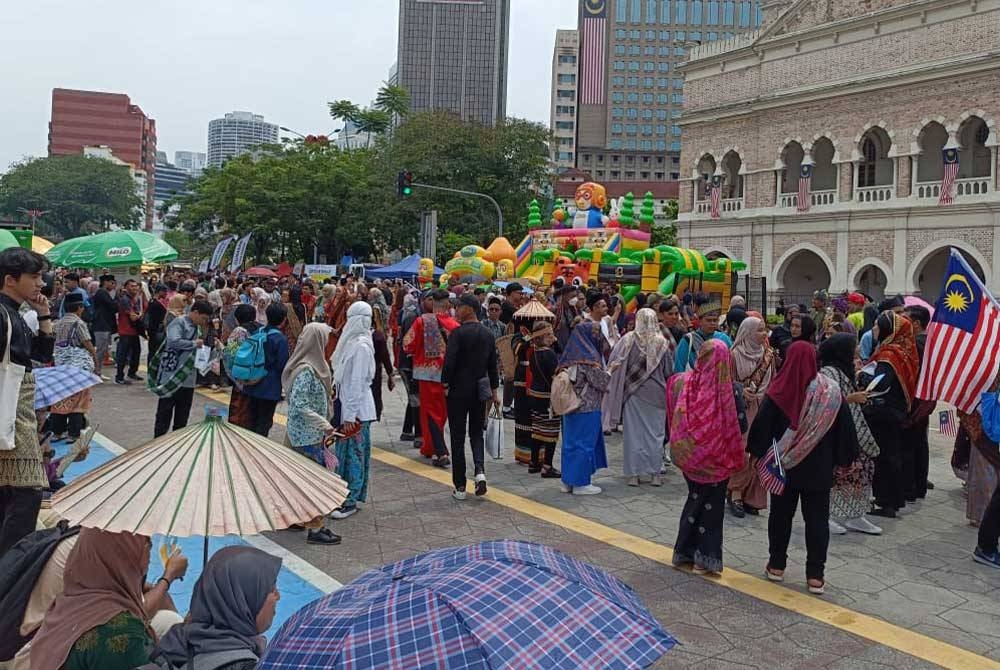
(781, 266)
(717, 249)
(914, 268)
(852, 276)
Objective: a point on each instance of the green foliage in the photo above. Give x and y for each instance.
(393, 99)
(82, 195)
(448, 242)
(626, 218)
(665, 234)
(190, 248)
(534, 216)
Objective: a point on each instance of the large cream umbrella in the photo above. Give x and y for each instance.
(210, 479)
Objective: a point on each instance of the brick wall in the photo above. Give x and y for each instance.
(827, 242)
(903, 174)
(980, 238)
(734, 245)
(685, 200)
(870, 244)
(879, 53)
(759, 189)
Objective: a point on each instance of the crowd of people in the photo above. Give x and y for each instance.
(818, 411)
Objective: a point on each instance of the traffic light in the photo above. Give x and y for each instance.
(404, 184)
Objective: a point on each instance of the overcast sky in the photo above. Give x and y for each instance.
(185, 62)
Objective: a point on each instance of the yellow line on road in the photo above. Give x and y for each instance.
(862, 625)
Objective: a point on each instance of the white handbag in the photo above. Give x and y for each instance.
(494, 433)
(11, 376)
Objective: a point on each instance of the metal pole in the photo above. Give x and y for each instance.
(472, 193)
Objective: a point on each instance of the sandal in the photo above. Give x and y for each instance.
(816, 586)
(774, 575)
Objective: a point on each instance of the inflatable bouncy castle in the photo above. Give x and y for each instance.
(582, 243)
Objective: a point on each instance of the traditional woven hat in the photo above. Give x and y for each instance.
(710, 307)
(534, 310)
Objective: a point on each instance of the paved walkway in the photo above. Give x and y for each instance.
(924, 595)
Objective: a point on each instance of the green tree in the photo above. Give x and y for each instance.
(393, 99)
(344, 111)
(448, 243)
(372, 122)
(626, 218)
(665, 234)
(82, 194)
(647, 213)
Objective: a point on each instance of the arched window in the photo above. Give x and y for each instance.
(930, 166)
(792, 157)
(706, 168)
(875, 167)
(824, 171)
(975, 156)
(732, 180)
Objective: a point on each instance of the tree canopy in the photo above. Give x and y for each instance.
(80, 194)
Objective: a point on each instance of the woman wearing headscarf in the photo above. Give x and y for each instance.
(705, 443)
(261, 300)
(753, 366)
(353, 371)
(292, 327)
(544, 426)
(239, 403)
(335, 312)
(980, 457)
(308, 387)
(99, 620)
(803, 430)
(850, 498)
(898, 364)
(583, 451)
(175, 309)
(232, 606)
(376, 298)
(227, 312)
(640, 365)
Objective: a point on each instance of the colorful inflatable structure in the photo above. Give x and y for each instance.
(583, 243)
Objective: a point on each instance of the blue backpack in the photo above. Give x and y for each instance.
(989, 411)
(248, 363)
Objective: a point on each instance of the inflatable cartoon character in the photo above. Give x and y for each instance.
(425, 271)
(505, 269)
(590, 200)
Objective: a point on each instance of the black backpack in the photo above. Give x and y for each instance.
(19, 570)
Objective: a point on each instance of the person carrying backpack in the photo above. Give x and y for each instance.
(172, 373)
(261, 374)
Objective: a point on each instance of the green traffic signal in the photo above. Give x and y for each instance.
(407, 190)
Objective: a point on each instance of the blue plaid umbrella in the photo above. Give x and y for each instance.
(501, 604)
(60, 382)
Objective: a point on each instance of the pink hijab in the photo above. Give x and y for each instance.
(705, 441)
(104, 576)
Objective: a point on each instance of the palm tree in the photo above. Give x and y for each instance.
(393, 99)
(344, 111)
(372, 122)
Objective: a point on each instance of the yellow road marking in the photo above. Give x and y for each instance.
(862, 625)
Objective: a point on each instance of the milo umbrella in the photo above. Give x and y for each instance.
(111, 249)
(7, 239)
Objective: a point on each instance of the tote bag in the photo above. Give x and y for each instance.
(11, 375)
(563, 399)
(494, 433)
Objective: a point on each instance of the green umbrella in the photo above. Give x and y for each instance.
(7, 240)
(115, 248)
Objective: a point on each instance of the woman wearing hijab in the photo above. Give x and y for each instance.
(544, 426)
(335, 312)
(175, 309)
(292, 327)
(261, 301)
(229, 301)
(308, 387)
(802, 431)
(640, 365)
(232, 606)
(583, 451)
(705, 443)
(353, 372)
(898, 364)
(376, 298)
(753, 367)
(99, 620)
(850, 498)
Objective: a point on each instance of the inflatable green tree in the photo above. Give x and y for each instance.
(626, 218)
(647, 215)
(534, 215)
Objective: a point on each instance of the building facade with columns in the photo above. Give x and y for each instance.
(867, 94)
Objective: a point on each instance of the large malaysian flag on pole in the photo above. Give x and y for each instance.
(963, 340)
(593, 39)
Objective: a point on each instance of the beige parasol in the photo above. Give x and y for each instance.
(209, 479)
(534, 310)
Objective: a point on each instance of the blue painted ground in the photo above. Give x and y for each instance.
(296, 592)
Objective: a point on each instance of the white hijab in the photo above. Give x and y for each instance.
(355, 338)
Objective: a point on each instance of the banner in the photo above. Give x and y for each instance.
(203, 268)
(320, 272)
(239, 253)
(220, 250)
(297, 270)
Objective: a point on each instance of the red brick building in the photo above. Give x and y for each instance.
(90, 118)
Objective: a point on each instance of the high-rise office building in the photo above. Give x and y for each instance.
(562, 115)
(191, 161)
(95, 119)
(452, 56)
(630, 93)
(237, 132)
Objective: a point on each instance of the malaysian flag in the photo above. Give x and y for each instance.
(963, 340)
(805, 185)
(950, 175)
(947, 424)
(715, 195)
(593, 30)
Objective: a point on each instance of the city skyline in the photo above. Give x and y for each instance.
(303, 57)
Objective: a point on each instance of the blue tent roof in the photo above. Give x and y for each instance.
(404, 269)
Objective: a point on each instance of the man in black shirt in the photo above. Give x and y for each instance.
(22, 476)
(105, 318)
(470, 366)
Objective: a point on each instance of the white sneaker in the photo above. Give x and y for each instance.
(863, 525)
(657, 479)
(458, 495)
(588, 490)
(566, 488)
(836, 528)
(343, 512)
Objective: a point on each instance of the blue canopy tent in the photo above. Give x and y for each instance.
(404, 269)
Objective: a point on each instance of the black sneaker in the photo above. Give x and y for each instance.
(884, 512)
(508, 414)
(480, 485)
(322, 536)
(136, 378)
(406, 437)
(123, 382)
